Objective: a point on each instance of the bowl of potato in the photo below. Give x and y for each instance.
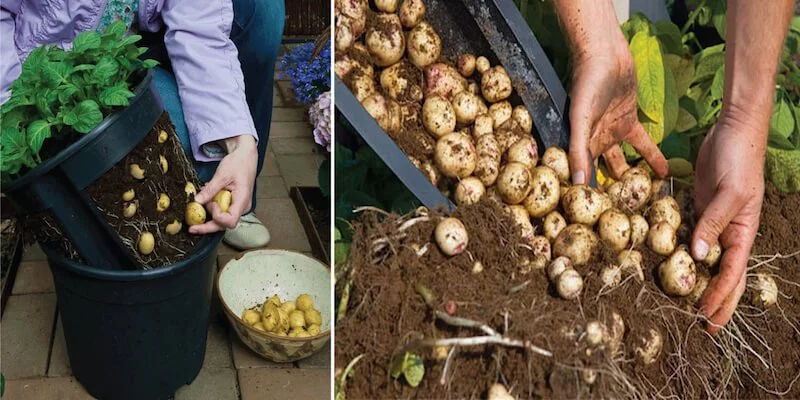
(278, 302)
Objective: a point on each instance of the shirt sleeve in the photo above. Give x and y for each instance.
(206, 66)
(9, 59)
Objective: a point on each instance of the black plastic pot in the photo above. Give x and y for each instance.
(136, 334)
(57, 185)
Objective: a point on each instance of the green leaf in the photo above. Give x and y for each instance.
(670, 36)
(13, 118)
(83, 67)
(778, 141)
(116, 95)
(782, 121)
(57, 72)
(105, 69)
(149, 63)
(341, 250)
(86, 40)
(65, 92)
(44, 101)
(35, 61)
(708, 62)
(718, 84)
(409, 365)
(87, 116)
(718, 18)
(649, 75)
(637, 23)
(683, 70)
(16, 101)
(685, 121)
(675, 145)
(128, 41)
(38, 131)
(116, 30)
(782, 168)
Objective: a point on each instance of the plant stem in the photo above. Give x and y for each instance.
(692, 16)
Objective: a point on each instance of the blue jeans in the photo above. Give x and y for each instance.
(257, 31)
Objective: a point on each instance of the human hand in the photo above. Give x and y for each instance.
(729, 191)
(603, 112)
(237, 173)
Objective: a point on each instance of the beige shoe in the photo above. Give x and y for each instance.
(249, 233)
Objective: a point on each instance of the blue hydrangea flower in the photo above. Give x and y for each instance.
(310, 76)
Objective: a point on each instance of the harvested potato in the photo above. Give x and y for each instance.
(713, 256)
(129, 209)
(496, 84)
(466, 65)
(467, 107)
(386, 112)
(190, 190)
(173, 228)
(469, 191)
(313, 330)
(388, 6)
(522, 219)
(163, 202)
(473, 88)
(616, 333)
(455, 155)
(136, 171)
(524, 151)
(678, 274)
(162, 162)
(223, 199)
(569, 284)
(345, 33)
(288, 306)
(762, 291)
(500, 113)
(614, 228)
(313, 317)
(412, 12)
(385, 40)
(483, 125)
(552, 224)
(648, 346)
(584, 205)
(658, 189)
(251, 317)
(482, 64)
(146, 243)
(666, 210)
(304, 302)
(541, 252)
(611, 275)
(195, 213)
(162, 136)
(544, 192)
(557, 266)
(498, 392)
(556, 158)
(438, 116)
(508, 134)
(639, 229)
(577, 242)
(661, 238)
(398, 86)
(513, 183)
(451, 236)
(523, 118)
(128, 195)
(488, 165)
(443, 80)
(699, 288)
(424, 45)
(297, 319)
(362, 86)
(595, 333)
(633, 190)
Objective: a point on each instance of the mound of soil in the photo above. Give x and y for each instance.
(386, 313)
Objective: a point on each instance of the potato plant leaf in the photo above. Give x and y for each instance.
(782, 121)
(649, 75)
(708, 61)
(88, 116)
(38, 131)
(718, 84)
(683, 70)
(115, 96)
(671, 96)
(86, 40)
(670, 36)
(410, 366)
(685, 121)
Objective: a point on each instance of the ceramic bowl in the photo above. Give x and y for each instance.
(252, 277)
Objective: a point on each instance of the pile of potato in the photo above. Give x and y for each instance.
(289, 318)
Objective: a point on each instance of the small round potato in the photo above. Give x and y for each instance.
(666, 209)
(524, 151)
(584, 205)
(469, 191)
(713, 256)
(412, 12)
(552, 224)
(223, 200)
(128, 195)
(522, 219)
(514, 182)
(388, 6)
(648, 347)
(763, 291)
(639, 229)
(297, 319)
(482, 64)
(304, 302)
(595, 333)
(544, 193)
(541, 252)
(173, 228)
(569, 284)
(487, 169)
(443, 80)
(630, 262)
(363, 87)
(635, 190)
(424, 45)
(288, 306)
(616, 334)
(455, 155)
(466, 65)
(313, 317)
(577, 242)
(136, 171)
(313, 330)
(451, 236)
(438, 116)
(467, 107)
(385, 40)
(614, 228)
(484, 124)
(195, 213)
(496, 84)
(500, 112)
(556, 158)
(523, 118)
(251, 317)
(557, 266)
(129, 209)
(499, 392)
(399, 87)
(661, 238)
(146, 243)
(163, 202)
(386, 112)
(678, 274)
(699, 288)
(611, 275)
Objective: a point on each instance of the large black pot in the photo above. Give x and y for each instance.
(136, 334)
(57, 185)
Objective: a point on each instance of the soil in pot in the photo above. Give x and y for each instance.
(755, 357)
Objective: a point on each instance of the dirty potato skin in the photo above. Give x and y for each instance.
(467, 107)
(412, 12)
(397, 86)
(577, 242)
(513, 183)
(443, 80)
(544, 193)
(496, 84)
(438, 116)
(424, 45)
(455, 155)
(385, 40)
